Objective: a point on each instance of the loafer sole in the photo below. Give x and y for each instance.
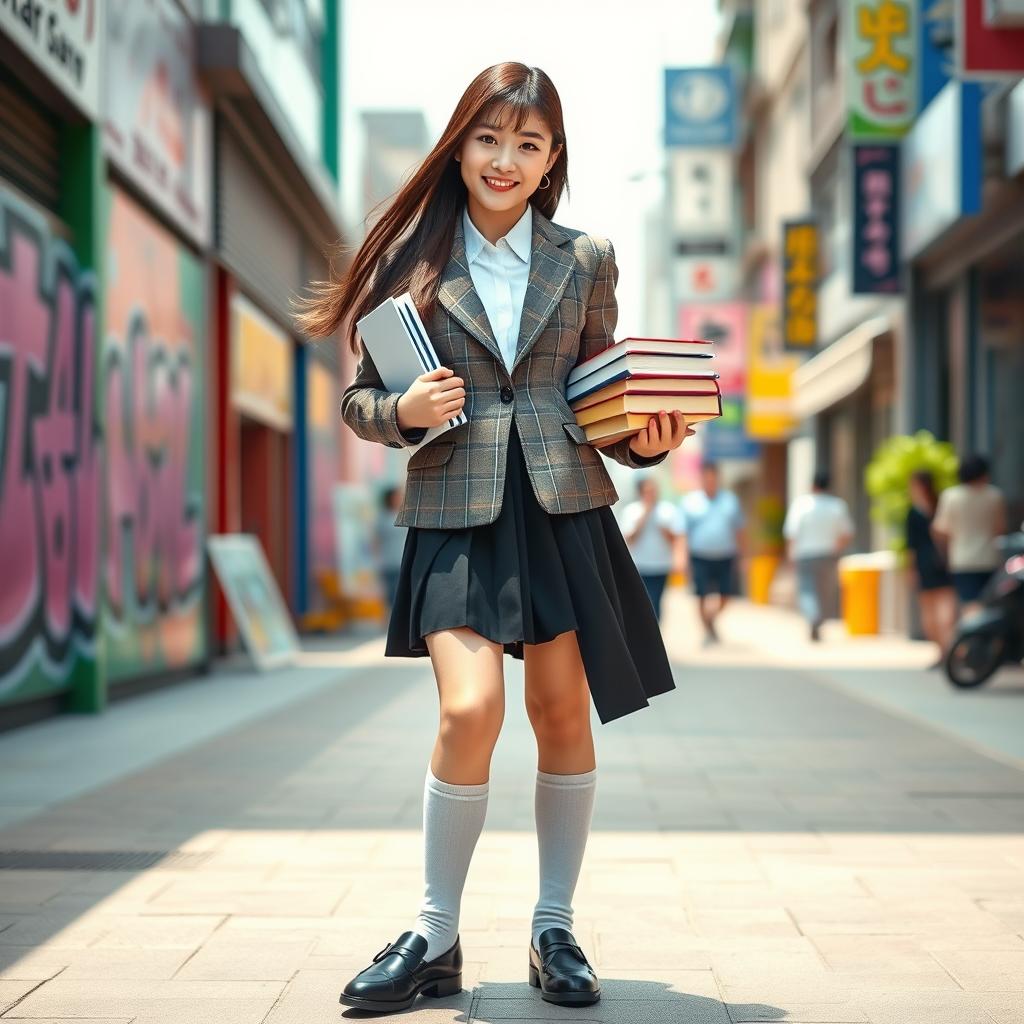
(438, 988)
(562, 998)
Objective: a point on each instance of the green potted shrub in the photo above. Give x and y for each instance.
(887, 479)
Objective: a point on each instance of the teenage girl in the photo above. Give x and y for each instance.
(512, 546)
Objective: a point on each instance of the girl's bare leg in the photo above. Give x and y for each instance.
(558, 705)
(471, 689)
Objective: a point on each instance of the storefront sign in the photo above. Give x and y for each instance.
(262, 366)
(770, 369)
(703, 224)
(703, 278)
(876, 219)
(986, 47)
(724, 324)
(700, 107)
(1015, 131)
(158, 126)
(799, 284)
(935, 49)
(62, 38)
(941, 166)
(702, 191)
(881, 67)
(726, 437)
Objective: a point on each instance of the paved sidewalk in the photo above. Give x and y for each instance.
(765, 847)
(888, 670)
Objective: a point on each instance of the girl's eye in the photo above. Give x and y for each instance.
(484, 138)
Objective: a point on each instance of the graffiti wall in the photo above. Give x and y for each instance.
(154, 569)
(50, 459)
(101, 455)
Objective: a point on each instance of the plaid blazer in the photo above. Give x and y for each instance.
(569, 314)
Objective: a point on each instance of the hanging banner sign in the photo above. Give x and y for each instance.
(799, 284)
(876, 220)
(882, 69)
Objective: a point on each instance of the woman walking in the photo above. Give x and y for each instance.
(934, 584)
(512, 547)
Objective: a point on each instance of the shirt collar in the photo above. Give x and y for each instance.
(520, 235)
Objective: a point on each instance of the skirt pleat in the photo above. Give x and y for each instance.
(530, 576)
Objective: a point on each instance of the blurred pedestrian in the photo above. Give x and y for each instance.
(936, 597)
(649, 525)
(711, 525)
(390, 542)
(968, 518)
(818, 528)
(512, 544)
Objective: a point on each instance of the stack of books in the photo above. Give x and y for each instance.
(616, 392)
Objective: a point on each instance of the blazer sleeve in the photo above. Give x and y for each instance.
(597, 334)
(372, 411)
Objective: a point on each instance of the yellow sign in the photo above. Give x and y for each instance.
(770, 371)
(800, 284)
(262, 366)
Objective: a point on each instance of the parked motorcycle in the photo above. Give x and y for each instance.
(994, 635)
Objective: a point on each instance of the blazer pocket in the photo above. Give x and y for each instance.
(575, 431)
(437, 453)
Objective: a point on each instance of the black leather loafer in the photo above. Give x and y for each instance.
(561, 971)
(399, 973)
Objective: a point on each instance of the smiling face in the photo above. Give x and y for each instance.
(502, 167)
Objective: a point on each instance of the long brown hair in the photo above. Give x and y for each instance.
(408, 247)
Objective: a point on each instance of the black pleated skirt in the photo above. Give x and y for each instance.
(526, 578)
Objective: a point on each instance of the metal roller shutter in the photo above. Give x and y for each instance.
(29, 143)
(255, 236)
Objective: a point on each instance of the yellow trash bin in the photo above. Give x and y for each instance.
(760, 573)
(859, 577)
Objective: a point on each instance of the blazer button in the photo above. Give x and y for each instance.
(506, 394)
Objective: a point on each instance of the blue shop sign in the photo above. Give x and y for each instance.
(700, 106)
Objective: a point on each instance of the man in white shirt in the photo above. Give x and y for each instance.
(968, 518)
(649, 528)
(818, 528)
(711, 521)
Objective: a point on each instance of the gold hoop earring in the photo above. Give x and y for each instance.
(548, 185)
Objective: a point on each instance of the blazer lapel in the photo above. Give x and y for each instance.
(457, 294)
(550, 270)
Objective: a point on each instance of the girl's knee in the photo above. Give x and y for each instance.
(471, 724)
(564, 722)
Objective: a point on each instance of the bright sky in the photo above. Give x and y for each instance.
(605, 57)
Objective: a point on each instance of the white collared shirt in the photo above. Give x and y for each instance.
(500, 274)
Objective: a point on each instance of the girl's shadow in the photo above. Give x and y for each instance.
(622, 1002)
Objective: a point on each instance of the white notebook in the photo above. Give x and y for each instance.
(401, 350)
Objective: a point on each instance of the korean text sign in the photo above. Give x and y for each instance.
(799, 284)
(876, 219)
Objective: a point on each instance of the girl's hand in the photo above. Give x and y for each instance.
(432, 399)
(662, 433)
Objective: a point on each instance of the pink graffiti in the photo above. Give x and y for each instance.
(153, 529)
(50, 485)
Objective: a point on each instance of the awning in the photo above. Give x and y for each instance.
(838, 370)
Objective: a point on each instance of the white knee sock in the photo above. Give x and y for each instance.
(453, 818)
(564, 805)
